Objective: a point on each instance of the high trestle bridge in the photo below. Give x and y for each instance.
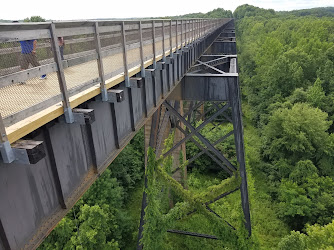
(57, 135)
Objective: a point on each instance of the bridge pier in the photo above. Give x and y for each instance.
(210, 78)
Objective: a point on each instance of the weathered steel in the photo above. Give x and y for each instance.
(207, 236)
(154, 47)
(125, 58)
(141, 49)
(200, 137)
(55, 173)
(196, 130)
(234, 98)
(206, 151)
(163, 42)
(213, 144)
(154, 127)
(61, 76)
(100, 63)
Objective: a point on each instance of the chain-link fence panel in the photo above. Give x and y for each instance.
(112, 52)
(133, 47)
(28, 91)
(147, 43)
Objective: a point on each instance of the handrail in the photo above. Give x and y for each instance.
(108, 48)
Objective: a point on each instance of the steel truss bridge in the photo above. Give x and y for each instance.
(57, 135)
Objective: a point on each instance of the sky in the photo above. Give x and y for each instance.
(88, 9)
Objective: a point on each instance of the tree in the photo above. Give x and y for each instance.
(316, 237)
(296, 134)
(34, 19)
(316, 95)
(306, 197)
(94, 229)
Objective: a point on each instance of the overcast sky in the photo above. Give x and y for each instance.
(92, 9)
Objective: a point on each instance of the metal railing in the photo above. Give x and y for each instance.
(94, 52)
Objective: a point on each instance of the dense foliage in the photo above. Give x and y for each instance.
(287, 74)
(216, 13)
(100, 219)
(34, 19)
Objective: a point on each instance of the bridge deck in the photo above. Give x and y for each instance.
(18, 99)
(26, 107)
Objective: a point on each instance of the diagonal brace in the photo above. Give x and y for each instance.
(215, 143)
(223, 109)
(211, 67)
(206, 151)
(201, 137)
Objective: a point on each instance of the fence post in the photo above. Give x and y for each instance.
(171, 38)
(185, 33)
(154, 49)
(141, 50)
(61, 76)
(6, 150)
(193, 30)
(125, 60)
(104, 93)
(163, 41)
(181, 33)
(177, 38)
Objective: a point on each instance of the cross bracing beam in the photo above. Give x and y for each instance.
(207, 236)
(177, 115)
(206, 65)
(216, 199)
(229, 171)
(206, 150)
(201, 137)
(222, 59)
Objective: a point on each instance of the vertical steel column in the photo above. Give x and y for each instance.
(61, 76)
(234, 98)
(152, 143)
(103, 89)
(125, 59)
(141, 50)
(163, 41)
(154, 49)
